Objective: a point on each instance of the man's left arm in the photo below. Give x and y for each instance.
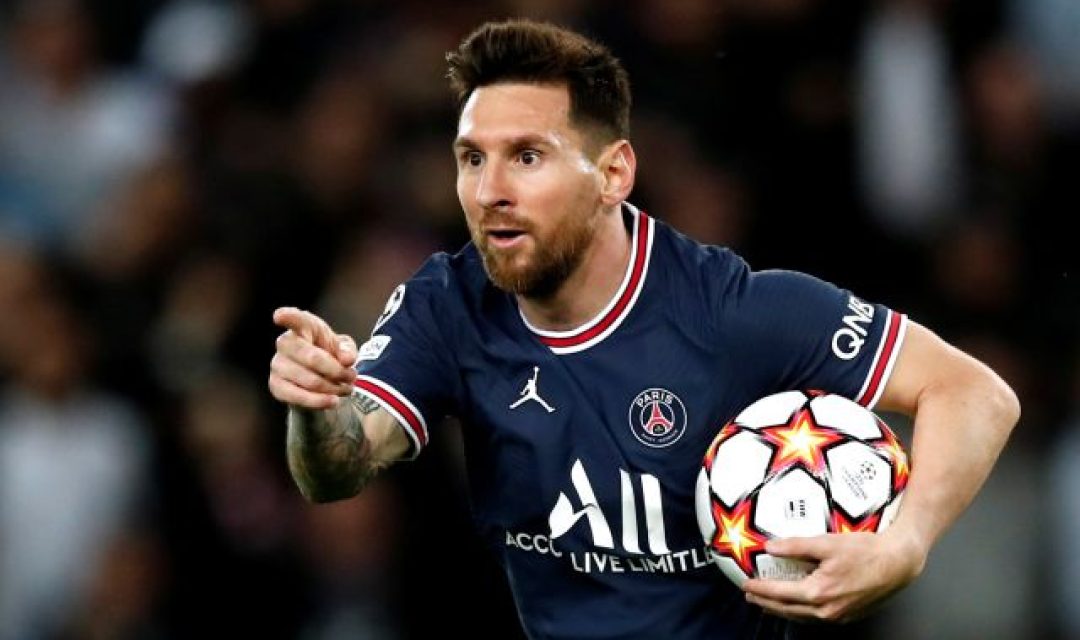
(963, 414)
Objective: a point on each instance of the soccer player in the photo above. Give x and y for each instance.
(592, 352)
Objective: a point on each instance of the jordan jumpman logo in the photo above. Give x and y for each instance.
(530, 393)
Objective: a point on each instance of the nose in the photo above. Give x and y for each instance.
(493, 189)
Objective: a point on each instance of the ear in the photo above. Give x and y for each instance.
(618, 165)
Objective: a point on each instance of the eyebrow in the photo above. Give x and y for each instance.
(514, 142)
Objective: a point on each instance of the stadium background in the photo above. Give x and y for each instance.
(172, 170)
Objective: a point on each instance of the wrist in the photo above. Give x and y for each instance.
(911, 545)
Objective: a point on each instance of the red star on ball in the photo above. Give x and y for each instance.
(735, 537)
(839, 523)
(726, 432)
(800, 441)
(892, 448)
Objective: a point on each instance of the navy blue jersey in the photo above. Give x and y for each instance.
(583, 447)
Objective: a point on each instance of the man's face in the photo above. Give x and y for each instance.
(529, 189)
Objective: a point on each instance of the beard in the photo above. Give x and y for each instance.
(541, 272)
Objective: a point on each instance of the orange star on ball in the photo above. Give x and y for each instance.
(735, 537)
(800, 441)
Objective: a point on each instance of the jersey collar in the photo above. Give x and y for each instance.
(605, 322)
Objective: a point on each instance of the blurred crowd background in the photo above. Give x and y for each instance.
(173, 170)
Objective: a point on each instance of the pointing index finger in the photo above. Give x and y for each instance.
(294, 320)
(308, 326)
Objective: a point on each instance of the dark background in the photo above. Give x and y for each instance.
(173, 170)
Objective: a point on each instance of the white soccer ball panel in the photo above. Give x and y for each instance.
(889, 514)
(731, 569)
(774, 568)
(739, 467)
(846, 416)
(792, 505)
(771, 410)
(703, 507)
(859, 479)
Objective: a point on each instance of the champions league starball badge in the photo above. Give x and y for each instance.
(657, 417)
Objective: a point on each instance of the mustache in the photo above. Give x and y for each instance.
(503, 220)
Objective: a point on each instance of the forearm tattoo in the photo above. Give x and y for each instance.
(329, 456)
(365, 404)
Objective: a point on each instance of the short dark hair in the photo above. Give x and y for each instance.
(539, 52)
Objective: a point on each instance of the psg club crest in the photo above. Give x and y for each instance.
(657, 417)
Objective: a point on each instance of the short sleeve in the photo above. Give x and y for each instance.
(795, 331)
(406, 365)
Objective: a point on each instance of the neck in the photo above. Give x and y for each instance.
(591, 286)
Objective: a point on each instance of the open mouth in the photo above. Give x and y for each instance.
(504, 237)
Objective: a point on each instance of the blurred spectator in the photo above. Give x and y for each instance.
(978, 271)
(908, 122)
(340, 128)
(73, 466)
(687, 190)
(371, 265)
(1048, 28)
(235, 569)
(71, 130)
(427, 180)
(982, 580)
(352, 550)
(668, 47)
(143, 227)
(124, 257)
(201, 311)
(224, 437)
(1060, 561)
(1006, 113)
(124, 595)
(1018, 203)
(193, 41)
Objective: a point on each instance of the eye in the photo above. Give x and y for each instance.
(529, 157)
(472, 158)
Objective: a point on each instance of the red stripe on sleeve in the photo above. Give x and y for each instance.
(892, 332)
(414, 423)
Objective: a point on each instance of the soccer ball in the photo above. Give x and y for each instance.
(796, 464)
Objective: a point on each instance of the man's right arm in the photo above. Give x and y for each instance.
(338, 438)
(333, 453)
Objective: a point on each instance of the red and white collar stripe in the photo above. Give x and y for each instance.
(609, 319)
(892, 338)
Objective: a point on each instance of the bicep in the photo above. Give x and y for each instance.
(925, 361)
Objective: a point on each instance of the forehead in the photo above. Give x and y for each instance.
(514, 109)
